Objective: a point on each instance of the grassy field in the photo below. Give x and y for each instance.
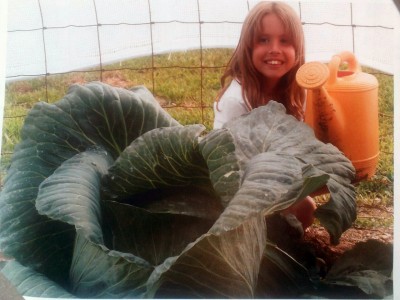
(186, 84)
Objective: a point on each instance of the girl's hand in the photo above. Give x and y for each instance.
(303, 210)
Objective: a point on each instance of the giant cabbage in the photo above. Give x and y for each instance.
(108, 196)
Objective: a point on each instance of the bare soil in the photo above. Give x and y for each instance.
(319, 237)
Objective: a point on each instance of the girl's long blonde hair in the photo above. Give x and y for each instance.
(241, 68)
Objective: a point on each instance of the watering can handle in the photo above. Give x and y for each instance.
(337, 60)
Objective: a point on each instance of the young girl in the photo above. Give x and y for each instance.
(263, 68)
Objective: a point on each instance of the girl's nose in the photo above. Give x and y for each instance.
(275, 48)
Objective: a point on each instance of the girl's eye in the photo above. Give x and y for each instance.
(263, 40)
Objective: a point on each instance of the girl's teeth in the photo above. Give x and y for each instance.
(274, 62)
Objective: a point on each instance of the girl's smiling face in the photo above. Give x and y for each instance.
(273, 52)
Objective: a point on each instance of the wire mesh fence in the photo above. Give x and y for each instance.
(94, 39)
(46, 37)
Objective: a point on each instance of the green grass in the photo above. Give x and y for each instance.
(380, 188)
(185, 83)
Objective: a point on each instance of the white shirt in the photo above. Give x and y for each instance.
(230, 106)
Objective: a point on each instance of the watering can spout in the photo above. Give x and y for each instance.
(342, 108)
(313, 77)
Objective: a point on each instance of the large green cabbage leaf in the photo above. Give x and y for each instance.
(30, 282)
(91, 115)
(110, 197)
(269, 129)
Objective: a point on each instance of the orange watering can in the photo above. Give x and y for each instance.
(342, 108)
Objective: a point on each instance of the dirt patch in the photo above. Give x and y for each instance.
(375, 215)
(319, 238)
(116, 79)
